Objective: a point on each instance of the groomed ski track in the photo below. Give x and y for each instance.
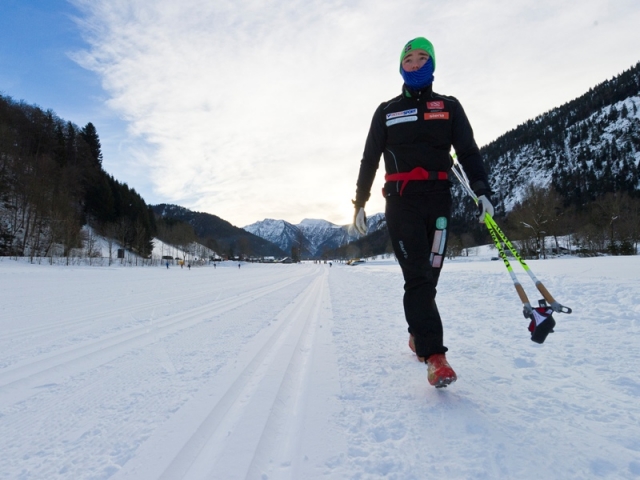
(302, 371)
(241, 418)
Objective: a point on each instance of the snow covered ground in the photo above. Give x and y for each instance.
(303, 372)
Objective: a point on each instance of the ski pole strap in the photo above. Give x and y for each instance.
(417, 173)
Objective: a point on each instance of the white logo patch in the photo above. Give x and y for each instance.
(414, 118)
(406, 113)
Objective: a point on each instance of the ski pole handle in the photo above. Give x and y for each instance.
(557, 307)
(521, 293)
(545, 293)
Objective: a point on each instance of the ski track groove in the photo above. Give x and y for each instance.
(269, 387)
(288, 407)
(61, 329)
(19, 380)
(43, 330)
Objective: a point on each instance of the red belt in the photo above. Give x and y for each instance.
(417, 173)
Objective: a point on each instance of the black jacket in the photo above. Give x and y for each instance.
(418, 129)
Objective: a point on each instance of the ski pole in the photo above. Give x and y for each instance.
(493, 227)
(528, 309)
(499, 237)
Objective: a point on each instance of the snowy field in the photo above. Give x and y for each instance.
(303, 372)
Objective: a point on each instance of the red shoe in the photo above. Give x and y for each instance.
(412, 346)
(439, 372)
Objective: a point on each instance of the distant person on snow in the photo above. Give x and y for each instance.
(415, 132)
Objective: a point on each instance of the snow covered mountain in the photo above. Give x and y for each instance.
(279, 232)
(583, 149)
(323, 235)
(314, 235)
(581, 161)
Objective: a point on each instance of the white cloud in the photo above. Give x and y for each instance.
(253, 109)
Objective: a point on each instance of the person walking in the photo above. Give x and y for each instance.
(415, 132)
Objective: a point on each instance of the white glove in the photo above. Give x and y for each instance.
(360, 222)
(484, 205)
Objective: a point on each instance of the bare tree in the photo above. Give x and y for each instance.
(468, 242)
(618, 214)
(183, 236)
(538, 215)
(243, 247)
(139, 239)
(631, 226)
(108, 231)
(454, 246)
(91, 243)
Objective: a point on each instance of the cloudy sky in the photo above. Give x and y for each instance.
(253, 109)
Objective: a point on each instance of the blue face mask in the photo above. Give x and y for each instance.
(420, 78)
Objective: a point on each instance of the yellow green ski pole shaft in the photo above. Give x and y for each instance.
(518, 286)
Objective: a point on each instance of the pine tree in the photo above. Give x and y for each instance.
(90, 135)
(624, 113)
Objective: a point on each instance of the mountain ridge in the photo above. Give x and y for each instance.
(229, 239)
(317, 237)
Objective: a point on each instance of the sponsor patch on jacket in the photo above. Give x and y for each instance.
(405, 113)
(435, 105)
(436, 116)
(393, 121)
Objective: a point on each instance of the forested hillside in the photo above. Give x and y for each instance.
(584, 149)
(218, 234)
(52, 183)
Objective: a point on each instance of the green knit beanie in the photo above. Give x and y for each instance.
(419, 43)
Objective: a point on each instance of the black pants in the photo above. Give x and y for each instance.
(418, 229)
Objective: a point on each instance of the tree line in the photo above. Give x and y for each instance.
(52, 184)
(541, 225)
